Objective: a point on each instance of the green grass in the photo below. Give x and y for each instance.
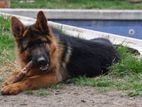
(39, 92)
(125, 75)
(77, 4)
(44, 91)
(6, 42)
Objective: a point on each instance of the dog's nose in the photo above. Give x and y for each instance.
(42, 61)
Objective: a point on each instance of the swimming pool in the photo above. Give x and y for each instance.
(129, 28)
(121, 22)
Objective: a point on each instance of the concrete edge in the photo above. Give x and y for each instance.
(77, 14)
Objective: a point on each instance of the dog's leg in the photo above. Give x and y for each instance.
(34, 82)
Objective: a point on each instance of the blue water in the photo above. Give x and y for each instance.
(124, 27)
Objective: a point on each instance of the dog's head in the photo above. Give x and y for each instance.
(33, 42)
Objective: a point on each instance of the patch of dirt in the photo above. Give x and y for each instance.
(73, 96)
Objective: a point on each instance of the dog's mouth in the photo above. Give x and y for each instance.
(44, 67)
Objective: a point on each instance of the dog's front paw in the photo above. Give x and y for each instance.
(11, 89)
(5, 84)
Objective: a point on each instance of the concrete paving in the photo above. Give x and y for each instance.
(79, 14)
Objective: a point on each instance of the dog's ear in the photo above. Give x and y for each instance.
(41, 22)
(17, 27)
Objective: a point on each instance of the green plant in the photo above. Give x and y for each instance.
(77, 4)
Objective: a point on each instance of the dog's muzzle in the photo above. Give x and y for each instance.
(43, 63)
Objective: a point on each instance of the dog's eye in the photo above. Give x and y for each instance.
(44, 43)
(29, 48)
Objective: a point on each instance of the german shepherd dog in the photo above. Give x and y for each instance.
(55, 57)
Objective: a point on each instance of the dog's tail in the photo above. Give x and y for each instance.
(108, 43)
(131, 50)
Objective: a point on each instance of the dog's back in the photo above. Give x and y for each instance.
(88, 57)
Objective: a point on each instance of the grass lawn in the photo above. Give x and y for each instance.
(6, 42)
(77, 4)
(125, 75)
